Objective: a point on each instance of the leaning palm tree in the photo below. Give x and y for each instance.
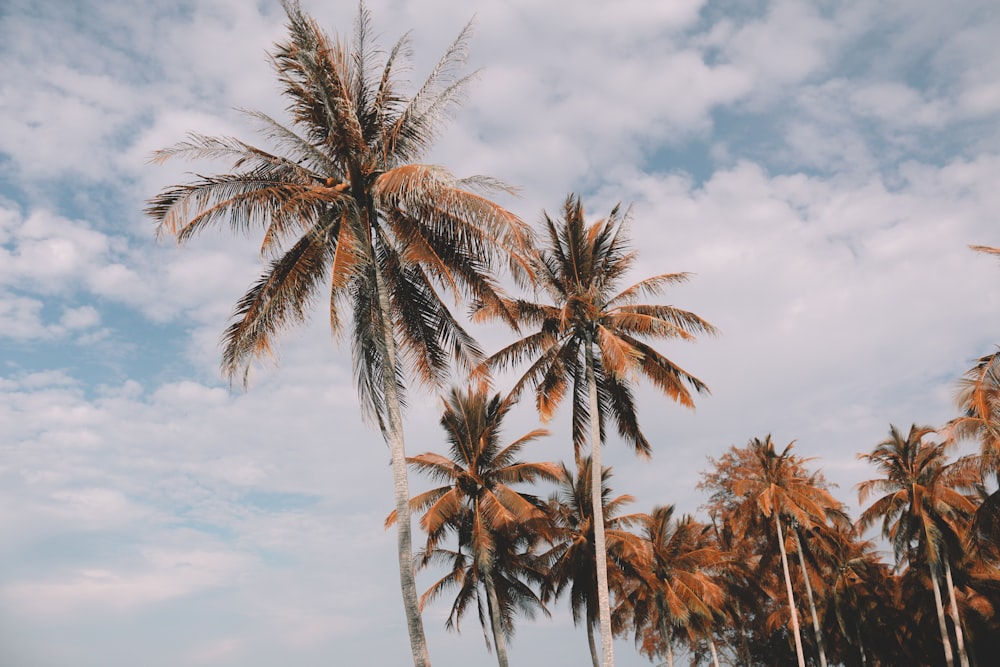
(920, 513)
(341, 201)
(590, 340)
(573, 567)
(496, 526)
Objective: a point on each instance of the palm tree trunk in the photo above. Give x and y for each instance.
(809, 595)
(667, 638)
(715, 653)
(600, 545)
(593, 645)
(788, 588)
(861, 645)
(499, 640)
(945, 641)
(959, 637)
(392, 432)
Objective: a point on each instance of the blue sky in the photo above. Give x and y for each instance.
(821, 168)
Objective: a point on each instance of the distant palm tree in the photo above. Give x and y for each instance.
(920, 513)
(342, 202)
(496, 527)
(678, 589)
(775, 486)
(572, 556)
(589, 340)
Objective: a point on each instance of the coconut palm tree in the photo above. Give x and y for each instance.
(496, 526)
(920, 513)
(573, 555)
(341, 201)
(589, 339)
(678, 590)
(775, 486)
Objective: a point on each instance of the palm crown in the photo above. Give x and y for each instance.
(338, 198)
(579, 270)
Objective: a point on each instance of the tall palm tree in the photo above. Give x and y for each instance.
(573, 555)
(496, 526)
(590, 340)
(774, 486)
(677, 591)
(340, 199)
(920, 513)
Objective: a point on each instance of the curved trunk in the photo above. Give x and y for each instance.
(593, 646)
(600, 545)
(791, 596)
(392, 432)
(945, 641)
(963, 656)
(715, 653)
(499, 640)
(809, 595)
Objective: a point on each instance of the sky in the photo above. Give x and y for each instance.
(820, 168)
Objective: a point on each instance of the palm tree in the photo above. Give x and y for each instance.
(978, 400)
(340, 199)
(774, 486)
(495, 525)
(678, 590)
(573, 556)
(920, 513)
(590, 340)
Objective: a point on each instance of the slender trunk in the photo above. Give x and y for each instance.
(809, 595)
(667, 638)
(959, 637)
(593, 645)
(393, 434)
(499, 640)
(600, 545)
(715, 653)
(791, 596)
(945, 641)
(861, 645)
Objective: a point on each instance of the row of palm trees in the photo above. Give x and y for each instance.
(342, 202)
(779, 553)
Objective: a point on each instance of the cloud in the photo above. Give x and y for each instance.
(828, 166)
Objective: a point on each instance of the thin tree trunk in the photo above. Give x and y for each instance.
(959, 637)
(499, 640)
(600, 545)
(593, 645)
(393, 434)
(809, 595)
(791, 596)
(861, 645)
(715, 653)
(945, 641)
(667, 638)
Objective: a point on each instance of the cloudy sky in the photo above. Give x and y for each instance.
(821, 167)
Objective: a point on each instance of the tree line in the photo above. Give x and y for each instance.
(345, 208)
